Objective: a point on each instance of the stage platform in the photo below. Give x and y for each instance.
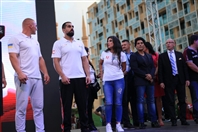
(166, 128)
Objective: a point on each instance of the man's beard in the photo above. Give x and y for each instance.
(70, 34)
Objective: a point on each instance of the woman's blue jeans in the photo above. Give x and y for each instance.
(149, 90)
(113, 91)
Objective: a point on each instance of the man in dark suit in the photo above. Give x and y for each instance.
(173, 75)
(143, 67)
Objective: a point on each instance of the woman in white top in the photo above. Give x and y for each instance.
(112, 65)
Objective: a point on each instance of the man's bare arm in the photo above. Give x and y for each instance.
(15, 64)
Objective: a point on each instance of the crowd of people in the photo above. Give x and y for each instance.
(128, 77)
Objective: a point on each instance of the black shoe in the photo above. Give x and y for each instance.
(174, 123)
(128, 126)
(155, 124)
(196, 121)
(185, 123)
(92, 127)
(136, 124)
(142, 126)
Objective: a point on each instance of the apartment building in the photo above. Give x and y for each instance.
(127, 19)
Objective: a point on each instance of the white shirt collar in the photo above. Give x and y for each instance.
(171, 51)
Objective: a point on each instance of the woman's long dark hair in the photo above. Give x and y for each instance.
(117, 48)
(150, 48)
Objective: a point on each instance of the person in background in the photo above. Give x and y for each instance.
(114, 62)
(159, 92)
(191, 56)
(4, 83)
(144, 70)
(92, 94)
(173, 75)
(129, 91)
(100, 111)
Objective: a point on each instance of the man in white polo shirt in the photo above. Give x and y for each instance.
(27, 61)
(70, 62)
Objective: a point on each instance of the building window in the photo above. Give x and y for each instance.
(98, 20)
(180, 7)
(101, 24)
(107, 30)
(188, 24)
(118, 8)
(117, 35)
(136, 15)
(186, 8)
(130, 16)
(100, 36)
(166, 31)
(136, 30)
(125, 18)
(108, 15)
(172, 34)
(142, 26)
(141, 9)
(120, 23)
(99, 46)
(108, 4)
(163, 18)
(174, 11)
(96, 11)
(182, 25)
(159, 1)
(192, 2)
(128, 2)
(116, 24)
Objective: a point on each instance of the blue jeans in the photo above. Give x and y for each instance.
(194, 95)
(149, 90)
(113, 91)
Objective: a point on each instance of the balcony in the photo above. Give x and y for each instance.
(161, 5)
(100, 38)
(173, 24)
(183, 32)
(184, 1)
(189, 30)
(190, 16)
(136, 25)
(181, 13)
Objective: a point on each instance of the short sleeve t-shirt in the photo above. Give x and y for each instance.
(28, 50)
(192, 55)
(112, 69)
(71, 54)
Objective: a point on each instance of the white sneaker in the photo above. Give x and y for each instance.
(119, 128)
(108, 128)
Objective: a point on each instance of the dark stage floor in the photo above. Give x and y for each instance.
(166, 128)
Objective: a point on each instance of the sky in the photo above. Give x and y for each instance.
(72, 10)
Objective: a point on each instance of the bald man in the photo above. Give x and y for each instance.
(173, 75)
(27, 61)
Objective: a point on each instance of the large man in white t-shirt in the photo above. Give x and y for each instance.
(27, 61)
(70, 62)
